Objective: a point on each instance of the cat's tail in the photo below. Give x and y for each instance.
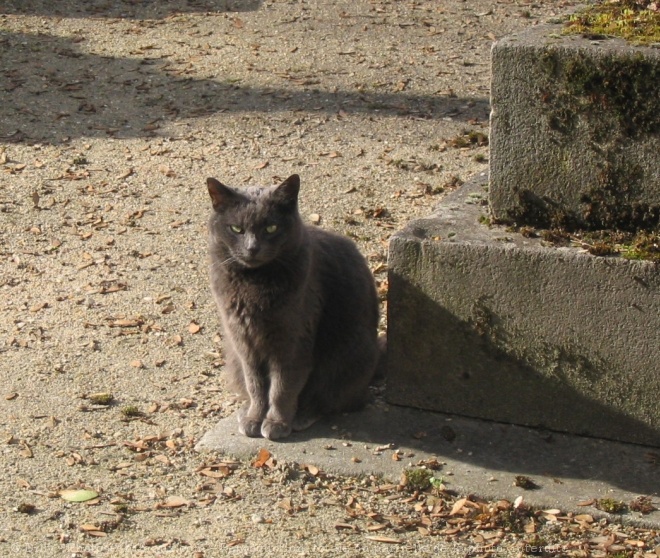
(380, 373)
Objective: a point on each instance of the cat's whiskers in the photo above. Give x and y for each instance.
(224, 263)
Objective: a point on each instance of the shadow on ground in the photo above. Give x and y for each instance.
(51, 91)
(133, 9)
(479, 457)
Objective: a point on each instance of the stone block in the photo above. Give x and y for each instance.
(575, 132)
(487, 323)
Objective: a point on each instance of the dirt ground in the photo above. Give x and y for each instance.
(112, 115)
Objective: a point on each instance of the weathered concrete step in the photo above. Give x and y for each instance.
(575, 131)
(479, 457)
(490, 324)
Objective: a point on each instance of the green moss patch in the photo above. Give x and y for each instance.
(629, 245)
(614, 95)
(637, 21)
(608, 102)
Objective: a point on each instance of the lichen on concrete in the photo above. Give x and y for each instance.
(613, 94)
(605, 102)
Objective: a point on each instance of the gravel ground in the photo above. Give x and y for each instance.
(112, 115)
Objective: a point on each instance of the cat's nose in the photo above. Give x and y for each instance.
(251, 244)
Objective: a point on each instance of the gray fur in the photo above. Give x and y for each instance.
(298, 307)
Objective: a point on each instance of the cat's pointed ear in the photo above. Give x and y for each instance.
(221, 196)
(287, 192)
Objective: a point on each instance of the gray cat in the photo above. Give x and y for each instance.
(298, 306)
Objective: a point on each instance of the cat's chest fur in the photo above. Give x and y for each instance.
(258, 307)
(249, 299)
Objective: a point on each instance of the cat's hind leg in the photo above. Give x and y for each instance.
(304, 420)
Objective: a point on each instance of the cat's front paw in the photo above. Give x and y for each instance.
(248, 426)
(275, 430)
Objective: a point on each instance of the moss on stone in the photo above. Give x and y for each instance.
(641, 245)
(417, 479)
(633, 20)
(612, 203)
(613, 94)
(608, 102)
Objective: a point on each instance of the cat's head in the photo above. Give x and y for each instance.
(255, 225)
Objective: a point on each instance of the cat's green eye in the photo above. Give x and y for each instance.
(236, 229)
(270, 229)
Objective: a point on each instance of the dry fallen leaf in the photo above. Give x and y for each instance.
(458, 506)
(26, 450)
(552, 511)
(194, 328)
(112, 288)
(586, 503)
(167, 171)
(387, 540)
(262, 457)
(23, 483)
(163, 459)
(92, 530)
(173, 502)
(219, 472)
(126, 323)
(312, 470)
(125, 174)
(285, 504)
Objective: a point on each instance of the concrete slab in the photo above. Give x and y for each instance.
(480, 457)
(487, 323)
(575, 131)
